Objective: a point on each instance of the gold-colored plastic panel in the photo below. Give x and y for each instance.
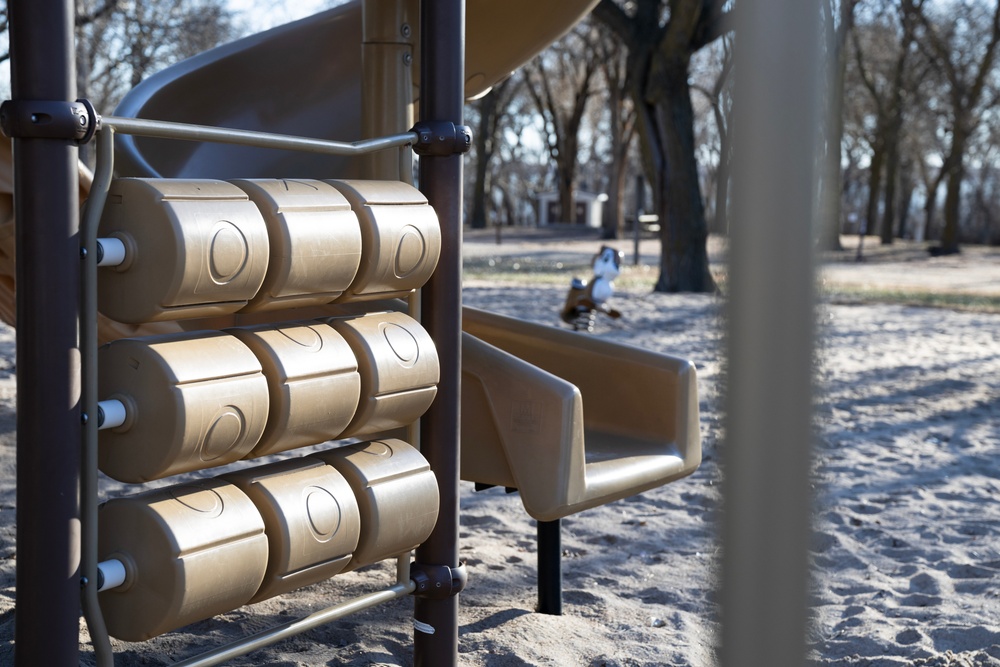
(313, 383)
(194, 248)
(399, 370)
(397, 494)
(190, 552)
(193, 401)
(311, 520)
(314, 239)
(401, 238)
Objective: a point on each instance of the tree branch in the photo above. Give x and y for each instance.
(90, 17)
(718, 24)
(614, 17)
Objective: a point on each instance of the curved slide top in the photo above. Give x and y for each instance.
(304, 79)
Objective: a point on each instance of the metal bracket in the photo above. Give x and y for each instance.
(438, 581)
(441, 138)
(47, 119)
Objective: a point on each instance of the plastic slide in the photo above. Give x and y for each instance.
(305, 79)
(537, 415)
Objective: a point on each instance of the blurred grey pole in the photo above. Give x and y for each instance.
(770, 336)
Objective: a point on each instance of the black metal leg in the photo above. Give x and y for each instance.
(549, 568)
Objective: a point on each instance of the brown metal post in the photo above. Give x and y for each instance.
(442, 67)
(48, 359)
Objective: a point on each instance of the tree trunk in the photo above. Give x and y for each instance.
(683, 231)
(891, 169)
(659, 58)
(722, 192)
(723, 123)
(832, 176)
(874, 187)
(930, 207)
(565, 180)
(953, 197)
(905, 199)
(484, 140)
(832, 187)
(612, 214)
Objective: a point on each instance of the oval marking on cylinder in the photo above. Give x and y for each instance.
(410, 251)
(225, 432)
(204, 501)
(305, 336)
(227, 252)
(377, 448)
(323, 512)
(402, 343)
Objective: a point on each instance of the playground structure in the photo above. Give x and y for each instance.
(766, 525)
(261, 303)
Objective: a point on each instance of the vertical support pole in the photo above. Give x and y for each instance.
(550, 567)
(390, 31)
(770, 337)
(442, 80)
(48, 357)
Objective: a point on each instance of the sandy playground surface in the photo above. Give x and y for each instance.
(907, 513)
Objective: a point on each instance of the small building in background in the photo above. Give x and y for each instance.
(586, 210)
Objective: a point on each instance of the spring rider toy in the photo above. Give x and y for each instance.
(584, 300)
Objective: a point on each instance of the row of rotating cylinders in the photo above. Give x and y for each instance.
(177, 403)
(183, 402)
(181, 554)
(187, 248)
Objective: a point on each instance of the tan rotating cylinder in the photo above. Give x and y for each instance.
(401, 238)
(311, 521)
(313, 383)
(190, 552)
(397, 494)
(193, 248)
(191, 402)
(315, 242)
(399, 370)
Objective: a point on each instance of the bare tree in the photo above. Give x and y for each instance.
(491, 109)
(561, 81)
(883, 52)
(719, 99)
(923, 145)
(837, 26)
(661, 36)
(121, 42)
(621, 126)
(961, 39)
(508, 172)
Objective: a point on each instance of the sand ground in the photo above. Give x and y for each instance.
(907, 482)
